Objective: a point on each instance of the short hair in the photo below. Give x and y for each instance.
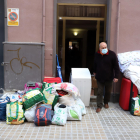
(102, 42)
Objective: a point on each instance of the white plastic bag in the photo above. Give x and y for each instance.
(79, 102)
(30, 114)
(60, 115)
(74, 113)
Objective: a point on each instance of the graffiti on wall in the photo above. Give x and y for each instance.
(19, 61)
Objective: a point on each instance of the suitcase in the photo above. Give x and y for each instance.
(32, 85)
(52, 79)
(128, 90)
(43, 116)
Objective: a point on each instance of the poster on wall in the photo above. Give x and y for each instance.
(13, 16)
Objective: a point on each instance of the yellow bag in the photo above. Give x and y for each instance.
(49, 97)
(14, 113)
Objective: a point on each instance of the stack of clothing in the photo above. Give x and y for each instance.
(129, 63)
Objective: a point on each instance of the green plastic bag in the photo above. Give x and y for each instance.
(31, 98)
(46, 85)
(14, 113)
(50, 98)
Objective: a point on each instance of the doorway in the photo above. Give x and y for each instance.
(80, 29)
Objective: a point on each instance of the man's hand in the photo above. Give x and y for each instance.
(115, 80)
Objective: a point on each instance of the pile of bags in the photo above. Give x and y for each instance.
(43, 104)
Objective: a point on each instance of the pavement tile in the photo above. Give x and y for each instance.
(110, 124)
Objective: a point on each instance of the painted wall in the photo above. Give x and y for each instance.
(113, 30)
(30, 21)
(129, 30)
(129, 26)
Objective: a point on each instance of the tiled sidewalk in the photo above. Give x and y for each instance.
(112, 123)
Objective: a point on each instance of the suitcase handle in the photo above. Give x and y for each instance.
(44, 116)
(37, 114)
(31, 84)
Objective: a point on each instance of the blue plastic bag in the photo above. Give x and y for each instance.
(3, 104)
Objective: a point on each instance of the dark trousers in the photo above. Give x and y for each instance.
(107, 86)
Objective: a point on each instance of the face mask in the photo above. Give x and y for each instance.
(104, 51)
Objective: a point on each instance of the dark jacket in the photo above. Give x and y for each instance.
(106, 66)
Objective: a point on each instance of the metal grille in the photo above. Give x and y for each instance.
(81, 11)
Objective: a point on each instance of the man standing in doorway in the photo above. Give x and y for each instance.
(106, 71)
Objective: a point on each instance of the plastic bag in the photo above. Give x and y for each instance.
(5, 95)
(32, 98)
(79, 102)
(14, 96)
(30, 114)
(135, 106)
(60, 114)
(49, 96)
(3, 104)
(74, 113)
(46, 85)
(14, 113)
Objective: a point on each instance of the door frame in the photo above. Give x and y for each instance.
(78, 18)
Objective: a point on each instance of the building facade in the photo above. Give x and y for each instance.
(57, 25)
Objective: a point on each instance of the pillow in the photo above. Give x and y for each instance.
(129, 57)
(125, 57)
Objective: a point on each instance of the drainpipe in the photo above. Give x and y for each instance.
(43, 22)
(43, 35)
(5, 20)
(118, 22)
